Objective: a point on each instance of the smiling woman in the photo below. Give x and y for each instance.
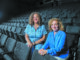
(55, 40)
(35, 32)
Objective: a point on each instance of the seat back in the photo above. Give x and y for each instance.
(9, 28)
(37, 56)
(71, 40)
(3, 39)
(5, 28)
(22, 24)
(78, 45)
(18, 30)
(0, 34)
(13, 29)
(18, 24)
(21, 51)
(10, 44)
(22, 32)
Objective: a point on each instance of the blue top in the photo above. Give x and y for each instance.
(55, 43)
(33, 34)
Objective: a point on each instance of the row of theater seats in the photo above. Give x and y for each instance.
(17, 33)
(50, 12)
(15, 24)
(13, 32)
(11, 49)
(78, 50)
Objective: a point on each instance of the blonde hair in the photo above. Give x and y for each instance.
(59, 23)
(31, 22)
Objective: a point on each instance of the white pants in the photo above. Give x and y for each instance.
(58, 58)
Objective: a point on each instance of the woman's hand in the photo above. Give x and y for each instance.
(42, 52)
(33, 43)
(30, 44)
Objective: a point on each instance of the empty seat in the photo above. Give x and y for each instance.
(7, 57)
(2, 43)
(5, 29)
(17, 32)
(7, 51)
(8, 24)
(22, 24)
(9, 46)
(21, 51)
(18, 24)
(9, 30)
(0, 34)
(37, 56)
(2, 27)
(12, 32)
(3, 40)
(22, 35)
(14, 24)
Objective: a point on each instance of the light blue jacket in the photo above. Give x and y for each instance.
(35, 35)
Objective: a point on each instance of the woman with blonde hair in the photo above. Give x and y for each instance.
(35, 32)
(55, 40)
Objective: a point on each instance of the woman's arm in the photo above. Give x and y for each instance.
(28, 41)
(59, 47)
(40, 40)
(27, 38)
(43, 50)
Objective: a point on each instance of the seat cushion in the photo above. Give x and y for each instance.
(10, 44)
(7, 57)
(1, 50)
(37, 56)
(21, 51)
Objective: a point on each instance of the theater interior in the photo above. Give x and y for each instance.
(14, 17)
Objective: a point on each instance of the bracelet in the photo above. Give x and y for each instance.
(34, 43)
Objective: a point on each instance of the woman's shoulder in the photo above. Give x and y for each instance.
(28, 25)
(62, 32)
(50, 32)
(43, 25)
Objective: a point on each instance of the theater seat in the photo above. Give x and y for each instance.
(37, 56)
(9, 30)
(12, 32)
(22, 35)
(7, 51)
(0, 35)
(21, 51)
(9, 46)
(5, 29)
(3, 40)
(16, 33)
(2, 29)
(7, 57)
